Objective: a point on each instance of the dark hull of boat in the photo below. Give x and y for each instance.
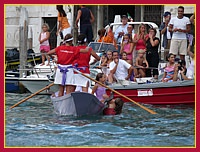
(77, 104)
(12, 85)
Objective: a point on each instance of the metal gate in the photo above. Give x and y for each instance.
(153, 13)
(119, 10)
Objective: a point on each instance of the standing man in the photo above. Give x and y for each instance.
(86, 19)
(179, 25)
(122, 29)
(164, 29)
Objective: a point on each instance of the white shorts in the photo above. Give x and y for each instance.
(80, 80)
(66, 31)
(69, 76)
(190, 74)
(178, 46)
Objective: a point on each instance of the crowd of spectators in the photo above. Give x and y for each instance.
(139, 53)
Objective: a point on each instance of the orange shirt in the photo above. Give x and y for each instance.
(108, 38)
(64, 22)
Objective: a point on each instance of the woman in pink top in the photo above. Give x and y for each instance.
(127, 46)
(44, 42)
(140, 40)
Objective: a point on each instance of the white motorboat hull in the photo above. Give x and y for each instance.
(35, 84)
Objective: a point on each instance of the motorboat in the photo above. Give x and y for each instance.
(148, 91)
(12, 81)
(39, 77)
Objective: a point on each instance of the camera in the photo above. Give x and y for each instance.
(180, 68)
(181, 64)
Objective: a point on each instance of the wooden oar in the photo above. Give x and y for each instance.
(32, 95)
(103, 85)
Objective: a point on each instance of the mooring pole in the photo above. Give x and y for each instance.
(30, 38)
(23, 38)
(75, 30)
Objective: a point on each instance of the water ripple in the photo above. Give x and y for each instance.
(34, 123)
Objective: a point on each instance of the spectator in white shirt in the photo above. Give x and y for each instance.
(181, 73)
(119, 69)
(179, 25)
(122, 29)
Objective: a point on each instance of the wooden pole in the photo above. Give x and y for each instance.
(94, 24)
(30, 38)
(99, 18)
(23, 38)
(75, 30)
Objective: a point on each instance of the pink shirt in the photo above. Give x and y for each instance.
(127, 49)
(43, 36)
(169, 70)
(140, 44)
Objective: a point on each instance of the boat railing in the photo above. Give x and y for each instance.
(33, 55)
(30, 72)
(35, 71)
